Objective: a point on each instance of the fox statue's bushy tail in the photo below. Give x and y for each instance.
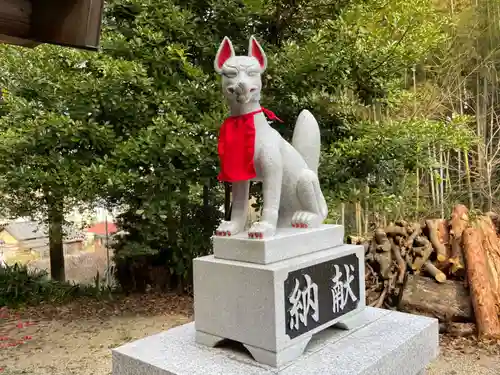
(307, 140)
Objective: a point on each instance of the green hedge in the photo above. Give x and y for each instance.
(20, 286)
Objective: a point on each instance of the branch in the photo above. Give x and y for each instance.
(392, 49)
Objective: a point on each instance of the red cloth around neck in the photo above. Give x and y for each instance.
(237, 146)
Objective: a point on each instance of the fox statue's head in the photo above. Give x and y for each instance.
(241, 75)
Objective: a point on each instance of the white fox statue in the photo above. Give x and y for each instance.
(251, 150)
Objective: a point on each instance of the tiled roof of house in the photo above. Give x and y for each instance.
(26, 230)
(100, 228)
(31, 230)
(35, 244)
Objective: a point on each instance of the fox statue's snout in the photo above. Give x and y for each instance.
(242, 91)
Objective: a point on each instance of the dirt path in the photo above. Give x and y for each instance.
(465, 364)
(465, 356)
(76, 339)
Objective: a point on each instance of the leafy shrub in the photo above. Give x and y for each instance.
(21, 286)
(160, 244)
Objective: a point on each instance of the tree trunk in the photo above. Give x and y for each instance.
(479, 128)
(469, 183)
(448, 301)
(358, 219)
(227, 201)
(433, 225)
(491, 248)
(459, 221)
(383, 254)
(56, 220)
(431, 177)
(206, 196)
(441, 182)
(367, 217)
(447, 185)
(481, 292)
(183, 203)
(417, 209)
(489, 173)
(444, 234)
(459, 162)
(432, 270)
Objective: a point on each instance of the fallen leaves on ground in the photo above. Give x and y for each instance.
(12, 322)
(468, 345)
(11, 329)
(77, 338)
(137, 304)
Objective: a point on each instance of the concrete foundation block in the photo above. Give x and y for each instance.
(379, 342)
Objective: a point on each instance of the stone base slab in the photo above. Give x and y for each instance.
(379, 342)
(287, 243)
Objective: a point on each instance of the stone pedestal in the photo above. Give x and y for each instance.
(379, 342)
(287, 243)
(279, 293)
(290, 305)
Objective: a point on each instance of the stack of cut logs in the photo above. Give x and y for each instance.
(448, 269)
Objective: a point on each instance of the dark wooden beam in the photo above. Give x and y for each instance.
(75, 23)
(18, 41)
(15, 18)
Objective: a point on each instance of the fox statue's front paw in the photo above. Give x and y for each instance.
(261, 230)
(228, 228)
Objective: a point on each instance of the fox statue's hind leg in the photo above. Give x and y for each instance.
(314, 209)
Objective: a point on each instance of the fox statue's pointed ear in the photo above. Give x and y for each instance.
(255, 50)
(225, 51)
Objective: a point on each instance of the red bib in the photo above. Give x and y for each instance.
(237, 146)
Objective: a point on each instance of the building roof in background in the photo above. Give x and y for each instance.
(39, 243)
(31, 230)
(26, 230)
(100, 228)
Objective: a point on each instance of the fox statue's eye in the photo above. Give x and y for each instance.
(229, 74)
(252, 73)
